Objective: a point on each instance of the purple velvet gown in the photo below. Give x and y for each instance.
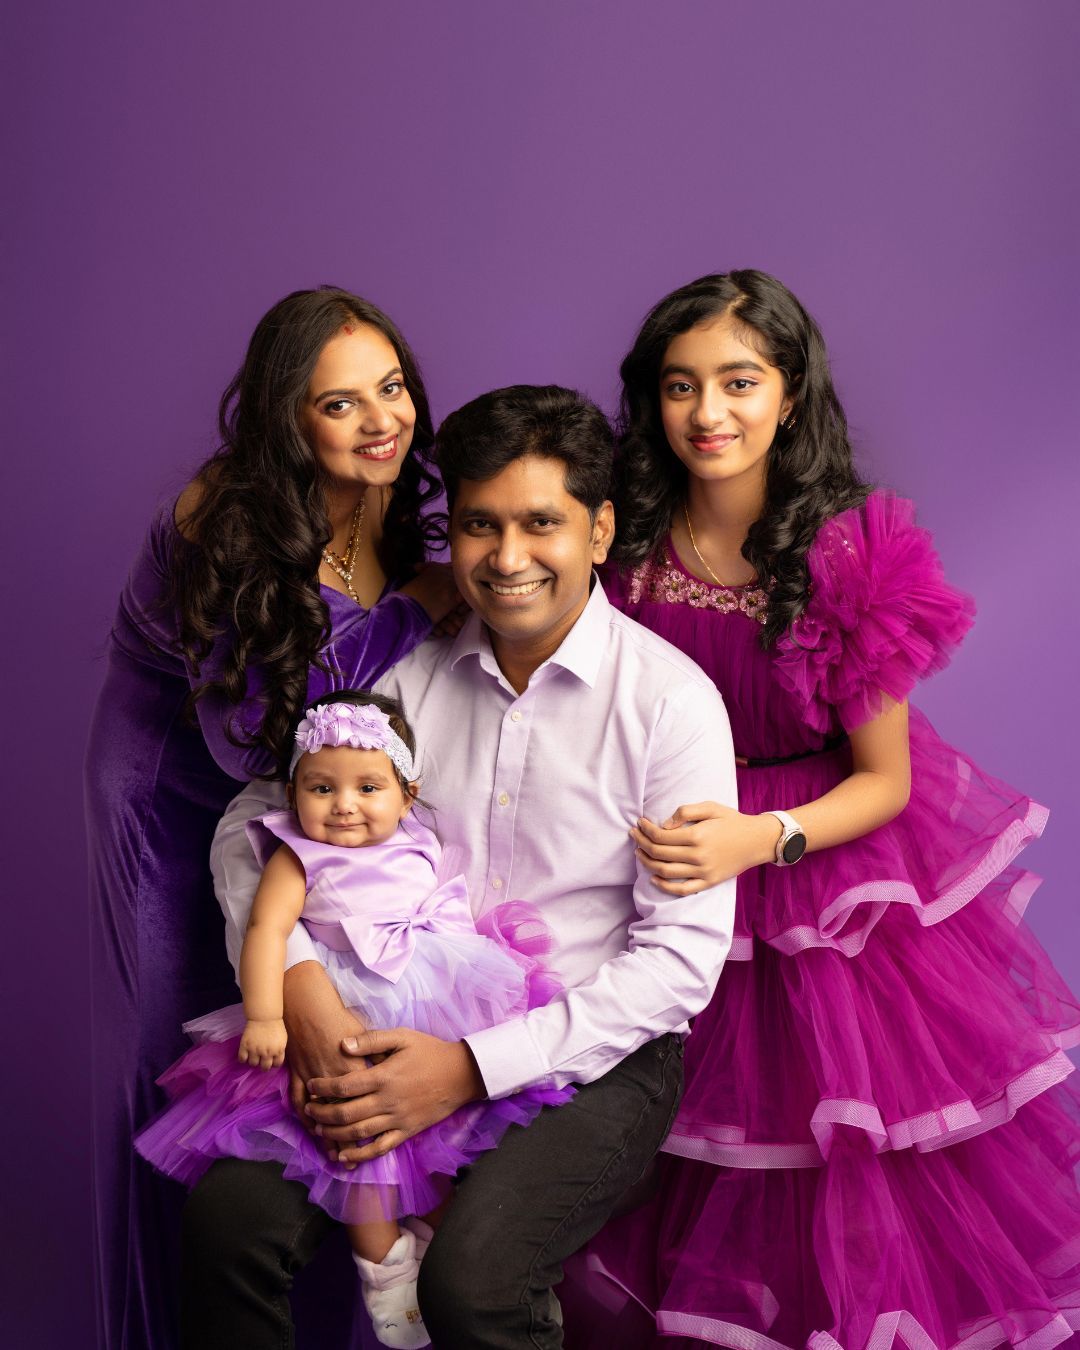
(877, 1143)
(156, 786)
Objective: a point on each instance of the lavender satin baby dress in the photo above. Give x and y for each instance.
(402, 950)
(877, 1143)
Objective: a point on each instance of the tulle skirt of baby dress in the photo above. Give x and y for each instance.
(879, 1138)
(440, 976)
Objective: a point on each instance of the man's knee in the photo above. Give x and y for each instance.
(242, 1218)
(245, 1231)
(449, 1284)
(470, 1282)
(216, 1226)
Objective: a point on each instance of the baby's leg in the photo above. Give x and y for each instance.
(371, 1241)
(388, 1262)
(425, 1227)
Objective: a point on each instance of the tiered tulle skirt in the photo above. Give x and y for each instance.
(877, 1144)
(455, 983)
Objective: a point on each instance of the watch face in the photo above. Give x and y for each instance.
(794, 848)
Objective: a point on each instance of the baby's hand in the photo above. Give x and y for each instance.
(263, 1044)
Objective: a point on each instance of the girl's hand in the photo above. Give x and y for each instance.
(702, 845)
(263, 1044)
(435, 589)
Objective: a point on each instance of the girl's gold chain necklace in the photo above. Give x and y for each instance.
(693, 545)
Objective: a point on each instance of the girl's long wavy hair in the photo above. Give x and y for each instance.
(246, 568)
(809, 476)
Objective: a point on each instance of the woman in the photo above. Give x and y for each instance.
(274, 579)
(875, 1143)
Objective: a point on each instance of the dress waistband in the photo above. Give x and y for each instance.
(833, 743)
(331, 935)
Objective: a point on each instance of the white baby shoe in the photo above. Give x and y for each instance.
(424, 1233)
(389, 1292)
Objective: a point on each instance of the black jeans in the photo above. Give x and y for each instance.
(486, 1281)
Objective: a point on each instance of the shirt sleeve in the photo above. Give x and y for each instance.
(237, 873)
(677, 944)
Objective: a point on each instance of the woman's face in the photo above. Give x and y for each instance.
(357, 415)
(720, 401)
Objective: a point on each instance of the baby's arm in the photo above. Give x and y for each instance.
(279, 902)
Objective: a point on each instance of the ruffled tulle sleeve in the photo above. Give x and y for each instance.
(881, 615)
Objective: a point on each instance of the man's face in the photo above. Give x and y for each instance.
(523, 550)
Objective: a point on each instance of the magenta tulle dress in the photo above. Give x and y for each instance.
(877, 1144)
(402, 950)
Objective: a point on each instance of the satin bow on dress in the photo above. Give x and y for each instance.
(372, 901)
(384, 939)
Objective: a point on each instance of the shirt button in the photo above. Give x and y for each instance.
(496, 883)
(515, 716)
(503, 798)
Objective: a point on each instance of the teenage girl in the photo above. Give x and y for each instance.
(875, 1142)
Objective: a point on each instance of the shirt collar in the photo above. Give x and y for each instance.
(470, 641)
(580, 652)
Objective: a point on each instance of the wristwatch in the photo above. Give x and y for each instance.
(792, 842)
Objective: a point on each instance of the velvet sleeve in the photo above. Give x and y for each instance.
(881, 615)
(364, 644)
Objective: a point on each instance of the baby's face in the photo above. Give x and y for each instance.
(348, 797)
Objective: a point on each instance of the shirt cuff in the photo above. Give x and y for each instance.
(507, 1058)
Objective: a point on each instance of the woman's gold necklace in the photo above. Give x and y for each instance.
(693, 545)
(343, 564)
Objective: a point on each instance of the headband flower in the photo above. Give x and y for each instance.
(361, 727)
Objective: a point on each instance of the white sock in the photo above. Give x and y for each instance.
(423, 1231)
(389, 1291)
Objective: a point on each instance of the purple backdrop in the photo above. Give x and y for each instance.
(515, 184)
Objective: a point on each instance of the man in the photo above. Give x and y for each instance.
(547, 728)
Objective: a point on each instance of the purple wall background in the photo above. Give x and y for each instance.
(515, 184)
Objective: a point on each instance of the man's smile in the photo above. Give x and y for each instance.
(517, 588)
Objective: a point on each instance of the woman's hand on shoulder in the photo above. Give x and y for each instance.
(450, 625)
(703, 844)
(435, 589)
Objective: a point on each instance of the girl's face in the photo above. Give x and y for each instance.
(348, 797)
(357, 415)
(720, 401)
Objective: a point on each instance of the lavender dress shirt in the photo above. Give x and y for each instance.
(533, 796)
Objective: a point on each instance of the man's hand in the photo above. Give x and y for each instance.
(317, 1023)
(421, 1081)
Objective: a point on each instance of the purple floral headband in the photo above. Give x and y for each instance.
(362, 727)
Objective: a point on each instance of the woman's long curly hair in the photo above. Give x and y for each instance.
(810, 475)
(246, 569)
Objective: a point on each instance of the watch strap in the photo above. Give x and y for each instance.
(789, 827)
